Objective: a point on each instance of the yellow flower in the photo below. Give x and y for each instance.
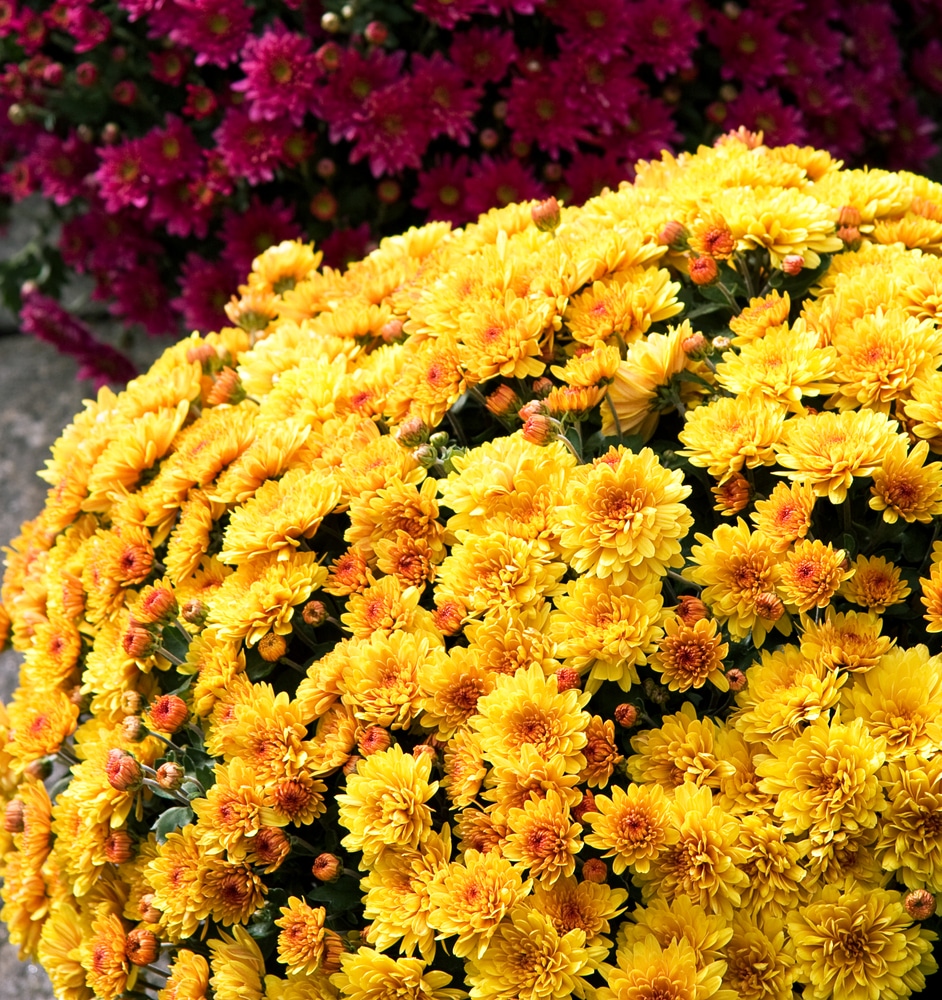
(705, 862)
(232, 811)
(397, 507)
(624, 518)
(231, 892)
(924, 409)
(850, 641)
(632, 826)
(773, 866)
(451, 686)
(527, 710)
(508, 638)
(237, 966)
(786, 516)
(683, 748)
(40, 721)
(826, 450)
(905, 487)
(529, 776)
(759, 317)
(464, 768)
(931, 595)
(279, 515)
(826, 779)
(591, 367)
(528, 959)
(503, 337)
(260, 596)
(301, 941)
(811, 573)
(875, 585)
(607, 630)
(679, 919)
(188, 978)
(690, 655)
(432, 380)
(671, 972)
(383, 607)
(586, 906)
(60, 949)
(739, 571)
(369, 975)
(471, 898)
(898, 699)
(783, 366)
(543, 837)
(759, 963)
(385, 804)
(108, 971)
(859, 943)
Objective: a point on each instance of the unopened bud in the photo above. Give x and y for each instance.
(567, 679)
(690, 609)
(194, 612)
(503, 402)
(488, 138)
(674, 235)
(539, 429)
(168, 713)
(587, 805)
(272, 647)
(792, 264)
(424, 750)
(388, 192)
(170, 776)
(542, 387)
(330, 22)
(327, 868)
(138, 642)
(123, 771)
(721, 343)
(314, 613)
(546, 215)
(769, 607)
(119, 847)
(13, 816)
(732, 495)
(412, 432)
(131, 702)
(373, 740)
(133, 729)
(141, 946)
(391, 332)
(330, 54)
(149, 912)
(920, 904)
(334, 949)
(849, 216)
(325, 168)
(270, 847)
(449, 616)
(39, 769)
(595, 870)
(227, 388)
(703, 270)
(626, 715)
(425, 455)
(351, 764)
(376, 33)
(696, 346)
(157, 604)
(736, 679)
(850, 236)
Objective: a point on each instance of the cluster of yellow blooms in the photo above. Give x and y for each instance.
(537, 610)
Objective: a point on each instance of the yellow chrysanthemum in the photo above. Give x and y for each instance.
(237, 966)
(369, 975)
(931, 595)
(301, 940)
(503, 337)
(624, 518)
(924, 409)
(811, 573)
(858, 943)
(586, 906)
(875, 585)
(728, 433)
(773, 865)
(188, 978)
(761, 315)
(689, 655)
(826, 450)
(543, 837)
(108, 971)
(759, 963)
(851, 641)
(905, 487)
(671, 972)
(632, 826)
(786, 516)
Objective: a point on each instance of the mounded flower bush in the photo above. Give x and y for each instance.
(544, 608)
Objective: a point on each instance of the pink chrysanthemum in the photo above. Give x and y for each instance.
(662, 34)
(171, 153)
(870, 95)
(588, 173)
(650, 130)
(344, 94)
(605, 91)
(392, 130)
(450, 100)
(912, 141)
(441, 190)
(123, 175)
(599, 26)
(280, 75)
(249, 150)
(498, 182)
(766, 112)
(205, 287)
(541, 109)
(484, 54)
(752, 49)
(245, 234)
(180, 209)
(216, 30)
(140, 297)
(60, 166)
(344, 246)
(448, 13)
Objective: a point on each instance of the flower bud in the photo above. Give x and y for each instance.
(119, 847)
(133, 729)
(425, 455)
(546, 215)
(86, 74)
(350, 764)
(325, 168)
(673, 235)
(503, 402)
(270, 847)
(626, 715)
(333, 949)
(567, 679)
(421, 750)
(594, 870)
(226, 388)
(138, 642)
(539, 429)
(449, 616)
(168, 713)
(391, 332)
(850, 235)
(13, 816)
(488, 138)
(542, 387)
(272, 647)
(141, 947)
(703, 270)
(439, 439)
(373, 740)
(792, 264)
(769, 607)
(330, 22)
(131, 702)
(149, 913)
(736, 679)
(157, 604)
(587, 805)
(323, 206)
(123, 771)
(696, 346)
(376, 33)
(170, 776)
(327, 868)
(314, 613)
(690, 609)
(329, 56)
(110, 133)
(124, 92)
(920, 904)
(721, 343)
(849, 216)
(194, 612)
(412, 432)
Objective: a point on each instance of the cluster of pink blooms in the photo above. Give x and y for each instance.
(180, 137)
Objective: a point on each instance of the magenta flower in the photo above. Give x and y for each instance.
(764, 111)
(597, 26)
(205, 288)
(450, 100)
(343, 96)
(123, 176)
(498, 182)
(172, 153)
(393, 129)
(484, 54)
(216, 30)
(662, 34)
(448, 13)
(542, 108)
(246, 233)
(61, 165)
(344, 246)
(927, 65)
(752, 49)
(280, 75)
(589, 173)
(250, 150)
(441, 190)
(140, 297)
(88, 27)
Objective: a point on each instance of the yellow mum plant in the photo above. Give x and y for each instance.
(547, 608)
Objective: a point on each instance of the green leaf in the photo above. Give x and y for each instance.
(175, 642)
(339, 896)
(170, 819)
